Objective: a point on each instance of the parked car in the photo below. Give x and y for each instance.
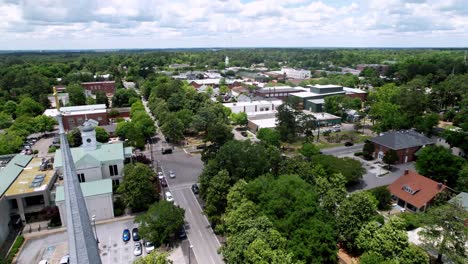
(160, 175)
(126, 235)
(348, 143)
(135, 235)
(171, 174)
(181, 233)
(149, 247)
(137, 249)
(65, 260)
(163, 182)
(43, 262)
(169, 197)
(195, 188)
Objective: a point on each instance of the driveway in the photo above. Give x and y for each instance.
(42, 146)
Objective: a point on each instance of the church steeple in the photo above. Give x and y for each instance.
(88, 134)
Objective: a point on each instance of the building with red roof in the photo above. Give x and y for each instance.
(414, 191)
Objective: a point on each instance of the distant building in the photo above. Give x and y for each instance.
(296, 73)
(75, 116)
(108, 87)
(178, 66)
(98, 198)
(355, 93)
(254, 106)
(280, 92)
(406, 143)
(414, 191)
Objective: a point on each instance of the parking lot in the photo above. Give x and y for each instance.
(112, 248)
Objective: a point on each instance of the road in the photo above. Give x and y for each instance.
(341, 151)
(187, 167)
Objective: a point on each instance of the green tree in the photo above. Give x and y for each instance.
(368, 150)
(101, 135)
(350, 168)
(269, 136)
(445, 233)
(216, 194)
(239, 118)
(383, 196)
(353, 214)
(390, 158)
(462, 182)
(160, 221)
(438, 163)
(90, 100)
(154, 258)
(124, 98)
(44, 123)
(29, 106)
(74, 137)
(287, 123)
(10, 143)
(173, 129)
(137, 188)
(426, 123)
(5, 120)
(101, 98)
(10, 108)
(308, 150)
(76, 93)
(413, 255)
(330, 188)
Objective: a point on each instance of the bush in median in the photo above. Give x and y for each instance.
(14, 249)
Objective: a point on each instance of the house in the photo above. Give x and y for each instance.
(25, 184)
(292, 73)
(406, 143)
(96, 161)
(415, 192)
(313, 99)
(108, 87)
(98, 198)
(74, 116)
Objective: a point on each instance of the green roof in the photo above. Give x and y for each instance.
(11, 171)
(102, 154)
(461, 198)
(91, 188)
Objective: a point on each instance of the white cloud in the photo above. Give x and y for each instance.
(186, 23)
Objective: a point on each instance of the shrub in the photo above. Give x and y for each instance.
(14, 249)
(52, 149)
(358, 154)
(35, 151)
(119, 207)
(412, 220)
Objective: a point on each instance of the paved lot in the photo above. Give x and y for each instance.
(42, 145)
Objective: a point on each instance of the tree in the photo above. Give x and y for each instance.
(124, 98)
(74, 138)
(368, 150)
(445, 233)
(160, 221)
(5, 120)
(438, 163)
(426, 123)
(44, 123)
(76, 93)
(413, 255)
(350, 168)
(308, 150)
(29, 106)
(462, 182)
(101, 135)
(239, 118)
(269, 136)
(137, 188)
(10, 142)
(287, 124)
(101, 98)
(154, 258)
(354, 213)
(216, 194)
(383, 196)
(330, 188)
(173, 129)
(390, 158)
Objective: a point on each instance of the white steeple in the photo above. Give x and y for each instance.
(88, 134)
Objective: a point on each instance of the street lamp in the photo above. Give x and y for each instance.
(95, 231)
(190, 249)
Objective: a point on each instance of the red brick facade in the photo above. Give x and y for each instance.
(405, 155)
(107, 87)
(362, 96)
(72, 121)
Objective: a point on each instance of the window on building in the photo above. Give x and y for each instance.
(81, 177)
(79, 120)
(113, 170)
(115, 183)
(99, 118)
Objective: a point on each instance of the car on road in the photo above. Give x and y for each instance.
(126, 235)
(163, 182)
(160, 175)
(169, 197)
(195, 188)
(181, 233)
(171, 174)
(348, 144)
(135, 234)
(43, 262)
(137, 249)
(149, 247)
(65, 260)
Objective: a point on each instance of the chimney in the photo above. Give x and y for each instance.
(406, 172)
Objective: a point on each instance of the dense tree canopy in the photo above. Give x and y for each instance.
(137, 188)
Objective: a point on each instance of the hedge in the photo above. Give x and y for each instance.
(14, 249)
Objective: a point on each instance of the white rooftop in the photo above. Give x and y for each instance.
(260, 102)
(77, 110)
(321, 86)
(322, 115)
(265, 123)
(353, 90)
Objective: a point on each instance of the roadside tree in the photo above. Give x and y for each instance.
(269, 136)
(390, 158)
(154, 258)
(137, 188)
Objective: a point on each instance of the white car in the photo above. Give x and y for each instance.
(171, 174)
(169, 197)
(137, 249)
(149, 247)
(43, 262)
(65, 260)
(160, 175)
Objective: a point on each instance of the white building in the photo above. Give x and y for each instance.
(254, 106)
(296, 73)
(96, 161)
(98, 197)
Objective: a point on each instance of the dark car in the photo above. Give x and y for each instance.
(348, 144)
(135, 235)
(163, 182)
(126, 235)
(195, 189)
(181, 233)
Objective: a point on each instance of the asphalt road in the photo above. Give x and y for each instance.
(187, 167)
(340, 151)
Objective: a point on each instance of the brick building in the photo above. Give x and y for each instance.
(108, 87)
(74, 116)
(406, 143)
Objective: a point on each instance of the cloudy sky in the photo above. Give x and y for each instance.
(110, 24)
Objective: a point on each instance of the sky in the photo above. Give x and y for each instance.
(127, 24)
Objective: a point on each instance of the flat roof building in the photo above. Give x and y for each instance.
(75, 116)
